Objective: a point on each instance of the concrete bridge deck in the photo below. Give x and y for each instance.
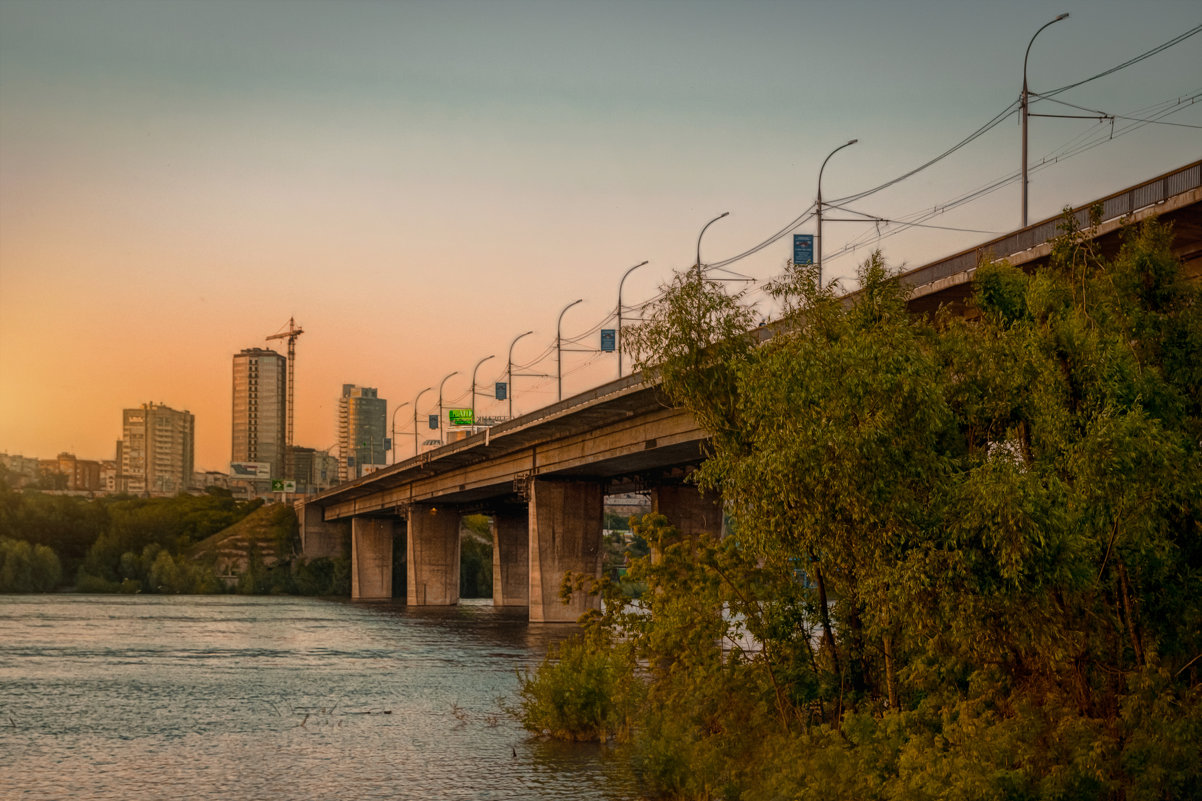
(543, 475)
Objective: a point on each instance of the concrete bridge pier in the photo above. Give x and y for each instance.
(433, 556)
(511, 557)
(687, 509)
(371, 558)
(565, 535)
(318, 536)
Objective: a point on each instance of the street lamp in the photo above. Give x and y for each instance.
(394, 411)
(416, 447)
(1025, 104)
(509, 370)
(474, 369)
(441, 428)
(818, 213)
(628, 272)
(559, 349)
(707, 225)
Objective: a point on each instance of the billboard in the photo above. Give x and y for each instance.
(460, 417)
(250, 470)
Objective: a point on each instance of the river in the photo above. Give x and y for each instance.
(234, 697)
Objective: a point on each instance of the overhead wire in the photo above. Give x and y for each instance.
(1107, 115)
(1129, 62)
(979, 132)
(1078, 144)
(1015, 105)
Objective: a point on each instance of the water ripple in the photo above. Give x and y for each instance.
(106, 697)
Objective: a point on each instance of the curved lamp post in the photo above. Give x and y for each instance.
(474, 369)
(416, 447)
(707, 225)
(509, 369)
(559, 350)
(623, 281)
(1025, 105)
(441, 428)
(394, 411)
(818, 213)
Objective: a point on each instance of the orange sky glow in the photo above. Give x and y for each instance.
(417, 184)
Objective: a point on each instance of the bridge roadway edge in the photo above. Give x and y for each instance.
(625, 427)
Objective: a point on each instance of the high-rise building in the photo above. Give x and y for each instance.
(260, 408)
(362, 426)
(157, 450)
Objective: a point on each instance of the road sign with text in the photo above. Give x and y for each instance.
(803, 248)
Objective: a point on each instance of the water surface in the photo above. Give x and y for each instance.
(199, 697)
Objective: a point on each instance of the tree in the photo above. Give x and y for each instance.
(957, 541)
(27, 568)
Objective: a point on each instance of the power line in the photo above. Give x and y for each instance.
(1147, 54)
(1106, 115)
(1078, 144)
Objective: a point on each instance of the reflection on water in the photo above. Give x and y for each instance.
(128, 697)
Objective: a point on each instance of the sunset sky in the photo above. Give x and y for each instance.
(419, 182)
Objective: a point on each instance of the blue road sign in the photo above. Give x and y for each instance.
(803, 248)
(608, 339)
(502, 390)
(433, 422)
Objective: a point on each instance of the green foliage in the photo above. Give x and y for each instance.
(475, 557)
(616, 522)
(967, 559)
(260, 579)
(171, 524)
(125, 544)
(68, 525)
(27, 568)
(322, 576)
(579, 692)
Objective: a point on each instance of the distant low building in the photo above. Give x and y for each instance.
(65, 472)
(82, 474)
(109, 470)
(22, 470)
(203, 479)
(314, 470)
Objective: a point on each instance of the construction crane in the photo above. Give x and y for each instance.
(291, 334)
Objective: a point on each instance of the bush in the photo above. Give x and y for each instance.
(581, 691)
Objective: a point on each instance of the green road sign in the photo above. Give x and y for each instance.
(460, 417)
(283, 485)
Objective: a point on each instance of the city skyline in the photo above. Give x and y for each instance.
(419, 184)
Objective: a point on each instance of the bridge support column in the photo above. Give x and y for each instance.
(318, 537)
(511, 558)
(687, 509)
(565, 535)
(371, 558)
(433, 556)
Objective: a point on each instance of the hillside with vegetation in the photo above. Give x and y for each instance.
(188, 544)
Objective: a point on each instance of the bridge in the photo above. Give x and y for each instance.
(542, 477)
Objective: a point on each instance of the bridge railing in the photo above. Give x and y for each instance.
(1128, 201)
(1120, 204)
